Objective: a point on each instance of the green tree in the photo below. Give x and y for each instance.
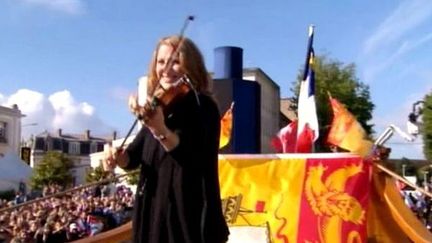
(426, 129)
(133, 177)
(97, 174)
(341, 81)
(54, 168)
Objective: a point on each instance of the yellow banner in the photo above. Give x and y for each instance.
(284, 194)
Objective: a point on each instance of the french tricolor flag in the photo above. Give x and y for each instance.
(307, 131)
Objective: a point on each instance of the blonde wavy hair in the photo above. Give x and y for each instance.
(191, 64)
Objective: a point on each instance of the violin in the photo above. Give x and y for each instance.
(166, 97)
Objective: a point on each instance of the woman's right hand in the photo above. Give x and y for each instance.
(113, 156)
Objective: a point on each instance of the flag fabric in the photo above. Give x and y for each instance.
(226, 127)
(285, 140)
(346, 132)
(308, 130)
(300, 198)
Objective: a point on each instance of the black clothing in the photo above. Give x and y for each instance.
(178, 197)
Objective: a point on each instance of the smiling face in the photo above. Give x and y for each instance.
(189, 61)
(167, 73)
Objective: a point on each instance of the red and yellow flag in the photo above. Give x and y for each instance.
(226, 127)
(346, 132)
(298, 198)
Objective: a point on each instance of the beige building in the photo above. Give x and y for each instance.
(270, 106)
(77, 147)
(13, 171)
(10, 130)
(96, 158)
(287, 113)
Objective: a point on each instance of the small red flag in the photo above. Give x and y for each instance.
(285, 140)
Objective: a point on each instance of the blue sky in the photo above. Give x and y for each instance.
(72, 63)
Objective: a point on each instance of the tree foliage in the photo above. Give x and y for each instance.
(341, 81)
(53, 169)
(133, 177)
(97, 174)
(426, 129)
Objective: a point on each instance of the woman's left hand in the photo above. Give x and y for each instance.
(156, 122)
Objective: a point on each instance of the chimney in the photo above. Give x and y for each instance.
(114, 135)
(59, 132)
(87, 134)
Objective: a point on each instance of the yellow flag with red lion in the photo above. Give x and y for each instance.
(298, 198)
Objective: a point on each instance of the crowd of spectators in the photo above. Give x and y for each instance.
(420, 205)
(65, 218)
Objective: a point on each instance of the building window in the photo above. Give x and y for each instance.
(57, 144)
(100, 147)
(3, 130)
(40, 144)
(85, 148)
(74, 148)
(49, 144)
(93, 147)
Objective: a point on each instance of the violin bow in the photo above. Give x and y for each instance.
(167, 67)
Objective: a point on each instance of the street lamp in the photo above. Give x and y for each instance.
(29, 124)
(23, 143)
(403, 169)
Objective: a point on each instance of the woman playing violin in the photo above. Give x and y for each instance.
(178, 198)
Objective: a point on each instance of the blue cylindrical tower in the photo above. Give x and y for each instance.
(228, 62)
(229, 86)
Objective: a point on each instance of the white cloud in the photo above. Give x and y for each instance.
(378, 64)
(406, 17)
(61, 100)
(87, 108)
(398, 36)
(67, 6)
(411, 45)
(59, 110)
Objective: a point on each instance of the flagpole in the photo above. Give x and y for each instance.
(308, 50)
(308, 131)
